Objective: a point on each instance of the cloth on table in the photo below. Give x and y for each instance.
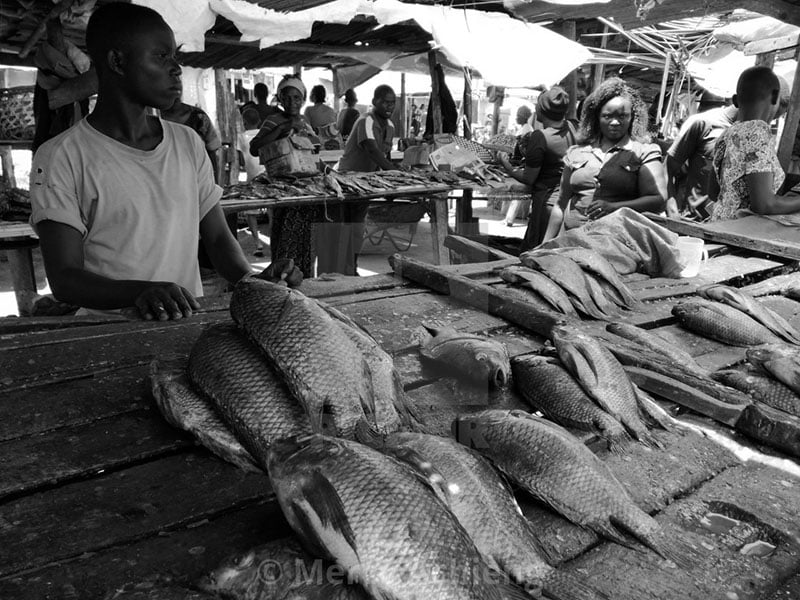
(630, 241)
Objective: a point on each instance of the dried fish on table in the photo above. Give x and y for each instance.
(659, 345)
(555, 467)
(547, 385)
(750, 306)
(722, 323)
(473, 357)
(486, 508)
(540, 283)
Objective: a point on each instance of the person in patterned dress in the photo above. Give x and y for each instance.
(747, 174)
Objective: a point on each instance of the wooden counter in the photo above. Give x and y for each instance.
(98, 492)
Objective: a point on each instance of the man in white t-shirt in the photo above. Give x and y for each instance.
(120, 199)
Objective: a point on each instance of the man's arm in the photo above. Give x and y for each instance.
(223, 249)
(62, 251)
(764, 201)
(371, 146)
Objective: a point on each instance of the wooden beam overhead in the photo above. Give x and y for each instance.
(771, 44)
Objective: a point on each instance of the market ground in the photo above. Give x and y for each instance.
(374, 258)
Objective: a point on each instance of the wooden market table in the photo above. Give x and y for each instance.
(98, 492)
(18, 241)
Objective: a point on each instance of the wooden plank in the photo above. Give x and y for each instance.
(23, 277)
(67, 404)
(789, 133)
(762, 500)
(121, 507)
(771, 44)
(754, 233)
(32, 463)
(12, 325)
(439, 232)
(182, 555)
(474, 251)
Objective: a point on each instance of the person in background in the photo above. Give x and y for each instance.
(416, 115)
(251, 119)
(367, 149)
(121, 199)
(264, 108)
(747, 173)
(292, 227)
(523, 117)
(688, 160)
(612, 164)
(544, 163)
(196, 118)
(349, 114)
(320, 114)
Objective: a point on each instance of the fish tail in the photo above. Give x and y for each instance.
(606, 529)
(565, 586)
(675, 548)
(649, 440)
(619, 444)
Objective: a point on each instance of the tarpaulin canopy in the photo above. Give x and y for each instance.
(503, 50)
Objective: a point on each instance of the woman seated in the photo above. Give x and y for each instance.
(747, 173)
(613, 164)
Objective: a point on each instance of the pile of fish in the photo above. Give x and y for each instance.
(295, 388)
(337, 184)
(572, 281)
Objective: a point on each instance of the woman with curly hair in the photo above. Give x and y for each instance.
(613, 164)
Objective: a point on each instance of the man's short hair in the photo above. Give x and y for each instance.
(317, 94)
(381, 91)
(757, 83)
(115, 25)
(261, 91)
(251, 117)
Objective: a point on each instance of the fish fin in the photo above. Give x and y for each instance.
(648, 439)
(368, 399)
(558, 585)
(423, 469)
(619, 444)
(670, 546)
(608, 530)
(320, 516)
(410, 417)
(366, 434)
(652, 413)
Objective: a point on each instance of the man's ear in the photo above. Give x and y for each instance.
(776, 95)
(116, 61)
(735, 100)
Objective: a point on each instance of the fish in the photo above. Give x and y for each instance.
(595, 263)
(603, 379)
(763, 388)
(484, 505)
(566, 273)
(779, 360)
(472, 357)
(157, 591)
(185, 408)
(393, 409)
(278, 570)
(549, 387)
(780, 284)
(722, 323)
(379, 520)
(600, 297)
(659, 345)
(248, 393)
(752, 307)
(552, 465)
(550, 291)
(319, 362)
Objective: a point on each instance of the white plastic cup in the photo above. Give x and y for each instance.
(691, 254)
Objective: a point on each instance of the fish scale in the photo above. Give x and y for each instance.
(722, 323)
(320, 364)
(378, 520)
(555, 467)
(249, 394)
(761, 387)
(566, 273)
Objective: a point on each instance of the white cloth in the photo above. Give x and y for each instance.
(252, 166)
(138, 211)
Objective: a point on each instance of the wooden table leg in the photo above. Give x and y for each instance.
(466, 224)
(441, 255)
(23, 277)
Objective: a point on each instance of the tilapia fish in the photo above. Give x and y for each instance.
(183, 407)
(550, 291)
(279, 570)
(377, 519)
(722, 323)
(319, 362)
(566, 273)
(603, 378)
(473, 357)
(752, 307)
(551, 464)
(761, 387)
(548, 386)
(250, 396)
(592, 261)
(483, 504)
(657, 344)
(779, 360)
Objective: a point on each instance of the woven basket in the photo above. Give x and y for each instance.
(16, 114)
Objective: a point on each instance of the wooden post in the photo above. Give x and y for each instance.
(435, 106)
(465, 223)
(766, 59)
(663, 92)
(42, 27)
(6, 159)
(600, 70)
(498, 102)
(790, 124)
(337, 92)
(228, 163)
(571, 80)
(402, 117)
(467, 103)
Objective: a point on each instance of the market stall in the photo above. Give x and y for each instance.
(100, 494)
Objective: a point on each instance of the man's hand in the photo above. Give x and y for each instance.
(163, 301)
(282, 272)
(672, 208)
